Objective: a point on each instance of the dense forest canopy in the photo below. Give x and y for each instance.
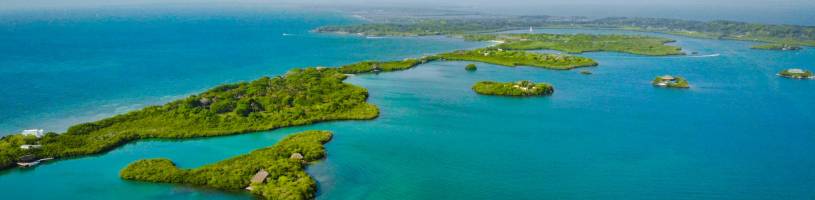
(519, 58)
(517, 88)
(302, 96)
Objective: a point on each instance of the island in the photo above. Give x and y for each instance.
(669, 81)
(777, 47)
(470, 67)
(581, 43)
(406, 25)
(300, 97)
(518, 88)
(519, 58)
(585, 72)
(796, 73)
(276, 172)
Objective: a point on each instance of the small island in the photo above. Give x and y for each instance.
(471, 67)
(796, 73)
(670, 82)
(276, 172)
(585, 72)
(518, 88)
(519, 58)
(777, 47)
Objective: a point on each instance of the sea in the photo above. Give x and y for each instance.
(740, 131)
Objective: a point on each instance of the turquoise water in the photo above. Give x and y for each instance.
(740, 132)
(60, 68)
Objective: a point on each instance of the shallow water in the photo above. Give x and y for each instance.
(740, 132)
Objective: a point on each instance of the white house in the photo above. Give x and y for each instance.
(34, 132)
(795, 71)
(30, 146)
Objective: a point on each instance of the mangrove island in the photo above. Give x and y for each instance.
(581, 43)
(670, 82)
(470, 67)
(518, 88)
(796, 74)
(276, 172)
(515, 58)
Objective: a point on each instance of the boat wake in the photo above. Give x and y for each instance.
(704, 56)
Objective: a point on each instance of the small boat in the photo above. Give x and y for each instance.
(28, 164)
(531, 30)
(33, 163)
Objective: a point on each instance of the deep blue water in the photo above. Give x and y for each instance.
(740, 132)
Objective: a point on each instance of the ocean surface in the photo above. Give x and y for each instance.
(740, 132)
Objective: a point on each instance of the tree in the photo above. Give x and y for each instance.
(471, 67)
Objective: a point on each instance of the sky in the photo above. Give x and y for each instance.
(769, 11)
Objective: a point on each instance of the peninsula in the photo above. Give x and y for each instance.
(300, 97)
(382, 66)
(276, 172)
(518, 88)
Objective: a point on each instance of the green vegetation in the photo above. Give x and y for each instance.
(777, 46)
(416, 28)
(518, 88)
(10, 150)
(790, 34)
(470, 67)
(379, 66)
(797, 74)
(580, 43)
(302, 96)
(287, 178)
(515, 58)
(670, 82)
(399, 26)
